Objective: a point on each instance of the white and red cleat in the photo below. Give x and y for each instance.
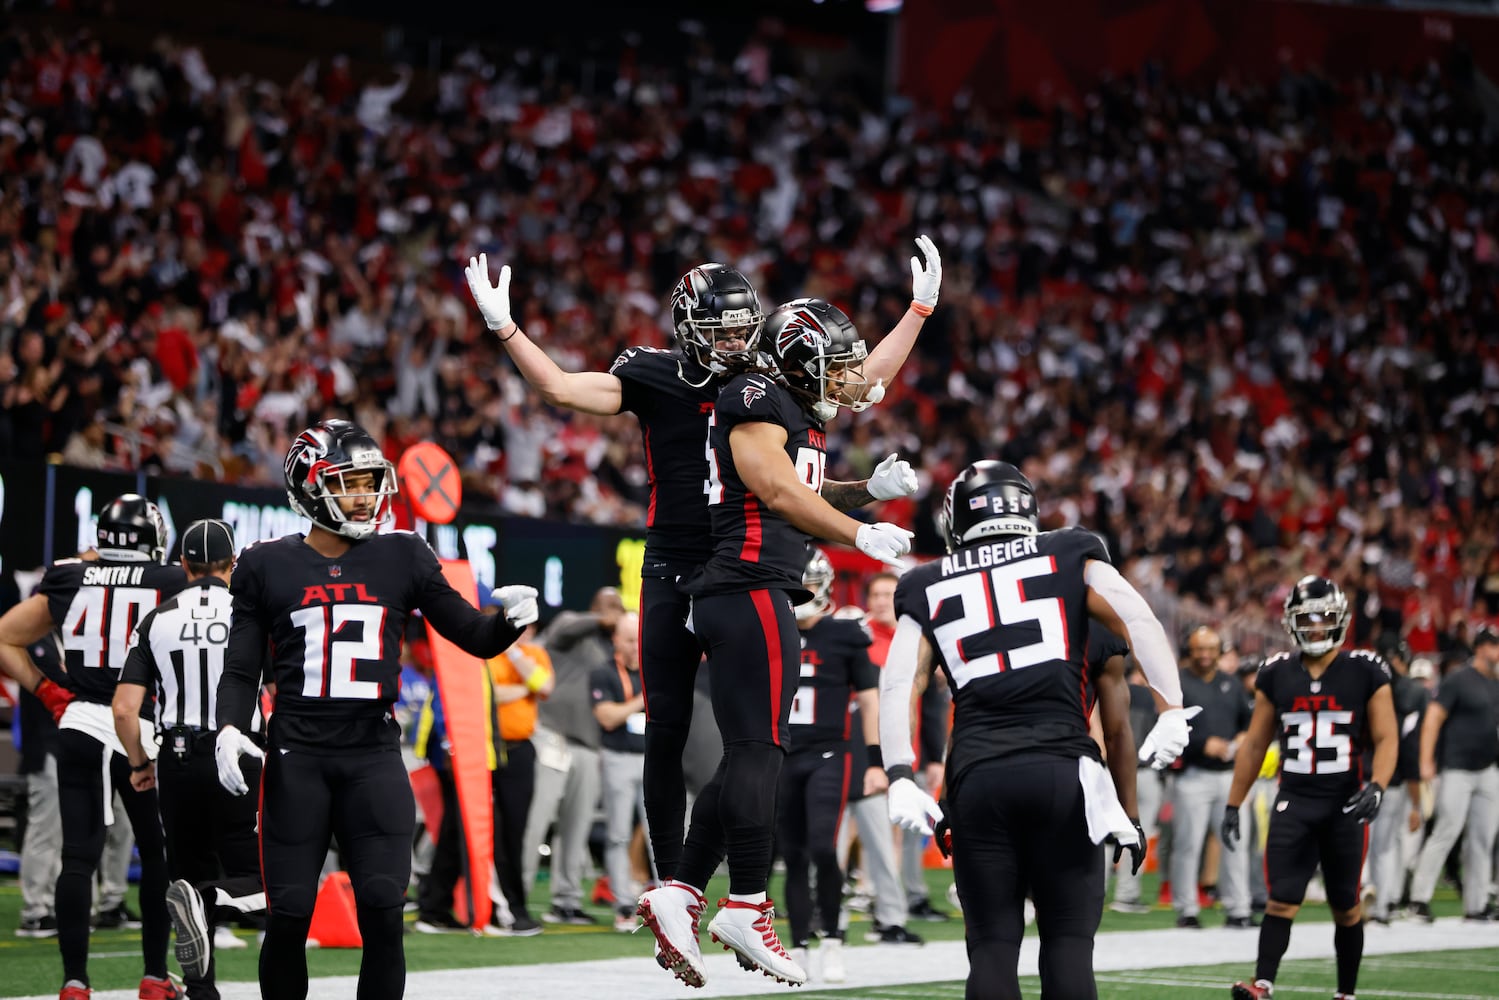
(672, 913)
(747, 931)
(1257, 990)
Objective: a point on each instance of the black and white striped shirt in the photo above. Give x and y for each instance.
(177, 652)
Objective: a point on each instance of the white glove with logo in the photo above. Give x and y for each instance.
(892, 478)
(1169, 737)
(519, 602)
(926, 282)
(226, 753)
(911, 808)
(493, 300)
(885, 542)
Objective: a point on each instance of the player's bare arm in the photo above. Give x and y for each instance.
(1251, 755)
(1118, 734)
(885, 361)
(759, 450)
(892, 478)
(586, 392)
(20, 627)
(875, 780)
(126, 707)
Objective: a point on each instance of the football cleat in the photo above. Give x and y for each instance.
(831, 951)
(160, 989)
(747, 930)
(185, 907)
(1257, 990)
(75, 990)
(672, 913)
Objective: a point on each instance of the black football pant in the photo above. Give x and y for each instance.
(669, 658)
(1305, 832)
(1018, 824)
(513, 782)
(81, 764)
(364, 799)
(211, 839)
(754, 652)
(814, 789)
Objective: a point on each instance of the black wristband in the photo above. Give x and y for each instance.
(900, 771)
(138, 768)
(875, 755)
(506, 340)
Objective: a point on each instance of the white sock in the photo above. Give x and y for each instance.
(754, 898)
(698, 893)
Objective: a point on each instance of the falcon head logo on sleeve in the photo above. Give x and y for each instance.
(752, 391)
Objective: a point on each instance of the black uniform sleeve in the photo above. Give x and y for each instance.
(635, 394)
(863, 675)
(59, 583)
(1103, 646)
(1450, 693)
(910, 598)
(933, 724)
(140, 662)
(1087, 544)
(748, 399)
(455, 619)
(239, 685)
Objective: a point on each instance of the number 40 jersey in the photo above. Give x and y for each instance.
(1323, 724)
(1007, 619)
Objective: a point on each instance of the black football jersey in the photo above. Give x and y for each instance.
(753, 546)
(673, 417)
(334, 628)
(96, 604)
(1323, 724)
(835, 665)
(1008, 623)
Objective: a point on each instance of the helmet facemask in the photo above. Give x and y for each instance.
(818, 578)
(349, 483)
(1319, 624)
(838, 380)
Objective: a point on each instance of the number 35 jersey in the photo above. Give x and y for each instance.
(1323, 723)
(334, 629)
(96, 605)
(1007, 620)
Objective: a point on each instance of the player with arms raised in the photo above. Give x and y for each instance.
(331, 607)
(1006, 616)
(1327, 708)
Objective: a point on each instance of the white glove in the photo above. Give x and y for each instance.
(493, 300)
(1169, 737)
(892, 478)
(226, 753)
(885, 542)
(925, 282)
(911, 808)
(519, 602)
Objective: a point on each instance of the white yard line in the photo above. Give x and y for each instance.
(897, 965)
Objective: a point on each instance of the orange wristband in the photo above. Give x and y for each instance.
(919, 309)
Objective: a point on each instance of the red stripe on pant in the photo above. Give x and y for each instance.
(767, 615)
(260, 826)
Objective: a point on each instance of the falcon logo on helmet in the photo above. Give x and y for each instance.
(714, 302)
(815, 347)
(318, 468)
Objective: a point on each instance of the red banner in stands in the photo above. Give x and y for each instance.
(1007, 49)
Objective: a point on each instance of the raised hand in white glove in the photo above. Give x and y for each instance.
(493, 300)
(926, 282)
(519, 602)
(885, 542)
(911, 808)
(892, 478)
(1169, 737)
(226, 753)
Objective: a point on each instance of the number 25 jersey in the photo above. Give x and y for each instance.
(1007, 620)
(334, 627)
(1323, 724)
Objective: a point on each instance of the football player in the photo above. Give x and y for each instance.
(1326, 708)
(815, 780)
(331, 607)
(1005, 615)
(766, 453)
(95, 603)
(716, 321)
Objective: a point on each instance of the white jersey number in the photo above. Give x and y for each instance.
(997, 598)
(326, 649)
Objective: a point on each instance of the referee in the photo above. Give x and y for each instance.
(177, 653)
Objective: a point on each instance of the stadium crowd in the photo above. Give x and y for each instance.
(1246, 332)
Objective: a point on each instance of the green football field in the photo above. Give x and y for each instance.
(32, 967)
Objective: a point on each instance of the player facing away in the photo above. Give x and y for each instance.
(95, 604)
(329, 609)
(716, 320)
(766, 453)
(815, 781)
(1005, 615)
(1328, 709)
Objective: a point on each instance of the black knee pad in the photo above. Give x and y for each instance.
(379, 892)
(752, 773)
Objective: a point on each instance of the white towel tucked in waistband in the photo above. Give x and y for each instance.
(1100, 801)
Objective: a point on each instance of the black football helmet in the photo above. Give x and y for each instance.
(818, 578)
(988, 498)
(815, 347)
(131, 523)
(710, 299)
(321, 457)
(1316, 615)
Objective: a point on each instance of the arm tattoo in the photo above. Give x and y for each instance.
(846, 496)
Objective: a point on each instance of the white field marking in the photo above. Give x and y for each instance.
(1216, 986)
